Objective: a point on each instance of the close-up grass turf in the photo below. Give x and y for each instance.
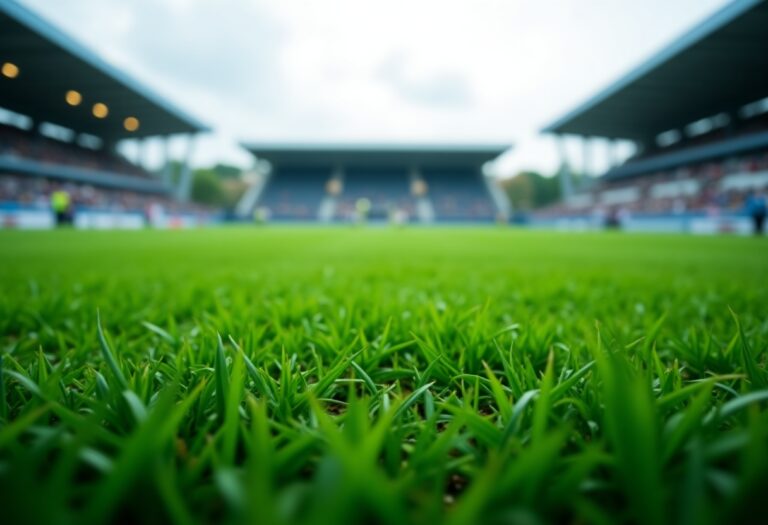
(377, 375)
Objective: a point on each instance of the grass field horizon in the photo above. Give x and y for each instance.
(382, 375)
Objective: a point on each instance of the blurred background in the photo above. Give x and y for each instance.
(643, 116)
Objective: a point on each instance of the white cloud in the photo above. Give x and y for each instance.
(377, 70)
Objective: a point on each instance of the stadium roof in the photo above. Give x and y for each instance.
(381, 154)
(50, 63)
(719, 65)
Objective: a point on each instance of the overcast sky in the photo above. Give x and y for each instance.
(377, 70)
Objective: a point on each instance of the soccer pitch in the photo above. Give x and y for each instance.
(381, 375)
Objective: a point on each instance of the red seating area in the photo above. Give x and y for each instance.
(723, 185)
(36, 192)
(28, 190)
(33, 146)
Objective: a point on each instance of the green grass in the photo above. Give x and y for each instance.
(351, 375)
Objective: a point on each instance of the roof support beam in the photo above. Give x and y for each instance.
(143, 144)
(613, 153)
(166, 174)
(566, 184)
(184, 188)
(586, 168)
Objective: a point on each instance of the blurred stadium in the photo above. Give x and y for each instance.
(696, 114)
(399, 184)
(252, 352)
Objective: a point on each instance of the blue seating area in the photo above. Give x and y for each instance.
(295, 193)
(385, 187)
(453, 189)
(458, 194)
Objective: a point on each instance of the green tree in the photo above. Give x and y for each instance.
(530, 190)
(207, 189)
(225, 171)
(219, 185)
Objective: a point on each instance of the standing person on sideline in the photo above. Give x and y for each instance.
(60, 203)
(757, 208)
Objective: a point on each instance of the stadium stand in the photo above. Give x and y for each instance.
(26, 144)
(296, 194)
(386, 188)
(402, 183)
(458, 194)
(701, 139)
(63, 111)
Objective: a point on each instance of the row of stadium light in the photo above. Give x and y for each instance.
(75, 98)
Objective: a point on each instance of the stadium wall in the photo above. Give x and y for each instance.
(36, 218)
(692, 223)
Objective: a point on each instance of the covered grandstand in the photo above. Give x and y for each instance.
(63, 111)
(402, 183)
(697, 113)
